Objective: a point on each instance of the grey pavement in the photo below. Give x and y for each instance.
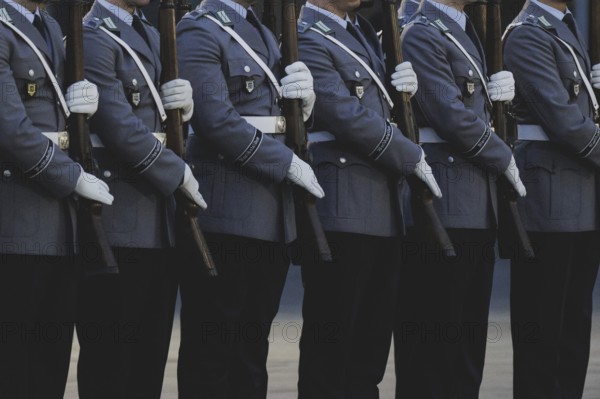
(283, 358)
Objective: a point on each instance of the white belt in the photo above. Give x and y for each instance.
(532, 133)
(318, 137)
(267, 124)
(429, 136)
(97, 143)
(61, 139)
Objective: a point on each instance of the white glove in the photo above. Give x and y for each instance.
(298, 84)
(423, 172)
(596, 76)
(405, 78)
(301, 173)
(90, 187)
(178, 94)
(512, 174)
(502, 86)
(190, 188)
(82, 98)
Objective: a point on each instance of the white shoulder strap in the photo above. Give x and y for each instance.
(49, 71)
(362, 63)
(250, 52)
(140, 65)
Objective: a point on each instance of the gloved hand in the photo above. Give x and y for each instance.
(301, 173)
(512, 174)
(82, 98)
(502, 86)
(178, 94)
(298, 84)
(423, 172)
(190, 188)
(405, 78)
(595, 80)
(90, 187)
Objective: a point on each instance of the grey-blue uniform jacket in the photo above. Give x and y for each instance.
(361, 169)
(241, 170)
(407, 9)
(142, 174)
(561, 175)
(451, 100)
(36, 216)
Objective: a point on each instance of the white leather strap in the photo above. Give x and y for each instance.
(250, 52)
(362, 63)
(267, 124)
(38, 53)
(140, 65)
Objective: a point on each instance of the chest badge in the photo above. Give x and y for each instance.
(135, 96)
(470, 88)
(359, 90)
(31, 89)
(576, 89)
(249, 85)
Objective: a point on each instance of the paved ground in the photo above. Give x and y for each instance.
(283, 360)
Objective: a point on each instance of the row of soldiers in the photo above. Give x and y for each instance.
(383, 278)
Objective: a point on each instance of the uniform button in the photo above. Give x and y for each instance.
(107, 174)
(7, 173)
(220, 156)
(470, 72)
(357, 74)
(451, 159)
(246, 68)
(575, 73)
(134, 82)
(343, 160)
(31, 73)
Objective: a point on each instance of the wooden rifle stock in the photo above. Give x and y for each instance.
(427, 221)
(187, 210)
(91, 235)
(310, 230)
(510, 224)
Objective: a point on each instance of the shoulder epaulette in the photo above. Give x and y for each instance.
(541, 22)
(96, 23)
(196, 14)
(323, 28)
(303, 26)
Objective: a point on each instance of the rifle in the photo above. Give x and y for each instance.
(426, 219)
(89, 213)
(186, 218)
(310, 231)
(477, 13)
(510, 225)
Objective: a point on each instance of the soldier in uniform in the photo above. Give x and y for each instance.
(126, 320)
(551, 298)
(442, 334)
(37, 273)
(238, 154)
(360, 158)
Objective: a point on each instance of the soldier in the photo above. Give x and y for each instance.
(361, 158)
(126, 320)
(551, 298)
(239, 157)
(442, 335)
(37, 273)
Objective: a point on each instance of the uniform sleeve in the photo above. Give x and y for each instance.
(439, 100)
(529, 55)
(215, 118)
(342, 114)
(121, 131)
(22, 143)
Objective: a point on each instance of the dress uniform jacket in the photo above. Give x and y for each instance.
(37, 176)
(361, 169)
(452, 100)
(240, 169)
(560, 174)
(141, 173)
(407, 9)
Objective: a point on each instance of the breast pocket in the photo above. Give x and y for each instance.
(31, 80)
(245, 80)
(468, 81)
(356, 78)
(571, 78)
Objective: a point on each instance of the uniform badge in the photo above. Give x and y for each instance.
(470, 88)
(359, 90)
(249, 85)
(135, 96)
(108, 22)
(4, 16)
(576, 89)
(31, 89)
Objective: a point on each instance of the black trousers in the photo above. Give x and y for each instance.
(348, 313)
(124, 327)
(37, 315)
(441, 326)
(551, 315)
(226, 320)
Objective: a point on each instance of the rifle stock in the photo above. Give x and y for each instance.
(89, 214)
(310, 230)
(427, 221)
(510, 224)
(187, 211)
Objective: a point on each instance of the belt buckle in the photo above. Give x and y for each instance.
(280, 125)
(63, 140)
